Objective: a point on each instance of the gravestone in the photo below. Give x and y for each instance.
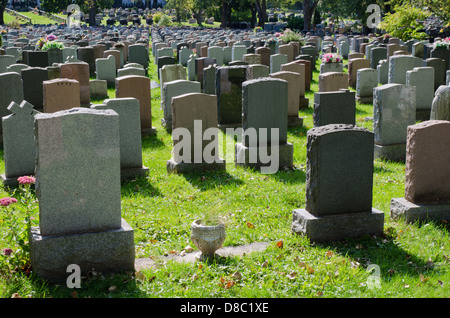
(353, 66)
(130, 135)
(116, 55)
(60, 94)
(229, 81)
(37, 58)
(288, 50)
(427, 174)
(264, 52)
(5, 61)
(344, 49)
(439, 70)
(376, 55)
(86, 54)
(79, 221)
(440, 108)
(32, 79)
(98, 89)
(54, 56)
(293, 79)
(300, 69)
(165, 60)
(399, 65)
(79, 71)
(308, 73)
(263, 143)
(331, 67)
(394, 109)
(184, 55)
(423, 79)
(366, 81)
(138, 87)
(237, 52)
(257, 71)
(276, 60)
(131, 71)
(11, 91)
(216, 52)
(170, 73)
(200, 64)
(16, 68)
(209, 80)
(332, 81)
(383, 71)
(339, 181)
(105, 69)
(417, 50)
(172, 89)
(18, 142)
(338, 107)
(192, 115)
(252, 59)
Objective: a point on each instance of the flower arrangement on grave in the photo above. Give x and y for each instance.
(40, 43)
(272, 41)
(257, 29)
(51, 37)
(332, 58)
(52, 45)
(442, 44)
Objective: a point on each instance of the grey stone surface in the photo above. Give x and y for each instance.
(423, 79)
(32, 79)
(383, 71)
(209, 80)
(108, 251)
(11, 91)
(399, 65)
(78, 171)
(5, 61)
(377, 54)
(394, 110)
(334, 108)
(366, 81)
(138, 53)
(105, 69)
(439, 70)
(440, 107)
(130, 135)
(18, 142)
(410, 212)
(86, 54)
(276, 60)
(130, 71)
(339, 170)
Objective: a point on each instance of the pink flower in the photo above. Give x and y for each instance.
(7, 201)
(26, 180)
(7, 251)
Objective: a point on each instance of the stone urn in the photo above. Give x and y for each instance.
(207, 238)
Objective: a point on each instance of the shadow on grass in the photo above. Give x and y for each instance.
(152, 142)
(382, 251)
(211, 179)
(140, 186)
(290, 176)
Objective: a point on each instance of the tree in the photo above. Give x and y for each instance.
(261, 11)
(309, 6)
(179, 6)
(3, 4)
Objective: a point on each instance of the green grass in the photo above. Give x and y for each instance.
(412, 258)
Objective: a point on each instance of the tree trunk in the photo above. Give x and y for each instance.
(155, 4)
(308, 10)
(2, 11)
(261, 9)
(223, 15)
(92, 14)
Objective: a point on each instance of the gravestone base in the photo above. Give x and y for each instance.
(11, 181)
(337, 227)
(242, 156)
(423, 114)
(131, 173)
(304, 103)
(364, 99)
(186, 167)
(148, 131)
(106, 252)
(295, 121)
(412, 212)
(395, 152)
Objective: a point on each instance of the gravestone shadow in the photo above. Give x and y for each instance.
(139, 186)
(211, 179)
(152, 142)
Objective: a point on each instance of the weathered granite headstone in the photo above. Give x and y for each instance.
(32, 79)
(399, 65)
(216, 52)
(60, 94)
(353, 66)
(138, 87)
(168, 73)
(116, 55)
(337, 107)
(79, 221)
(130, 135)
(423, 79)
(383, 71)
(394, 109)
(366, 81)
(440, 108)
(138, 53)
(339, 181)
(229, 81)
(257, 71)
(293, 79)
(193, 115)
(427, 174)
(264, 52)
(172, 89)
(105, 69)
(209, 80)
(237, 52)
(300, 69)
(263, 143)
(98, 89)
(18, 142)
(38, 58)
(288, 50)
(276, 60)
(11, 91)
(79, 71)
(332, 81)
(5, 61)
(86, 54)
(376, 55)
(439, 70)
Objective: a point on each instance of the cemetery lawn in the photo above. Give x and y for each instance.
(413, 259)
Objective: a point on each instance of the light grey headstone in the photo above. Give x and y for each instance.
(238, 52)
(399, 65)
(423, 79)
(276, 60)
(440, 108)
(366, 81)
(106, 69)
(5, 61)
(11, 91)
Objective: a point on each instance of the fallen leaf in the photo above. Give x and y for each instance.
(230, 284)
(319, 294)
(112, 289)
(139, 275)
(188, 249)
(74, 294)
(265, 264)
(309, 270)
(195, 277)
(15, 295)
(280, 244)
(292, 275)
(423, 279)
(173, 252)
(250, 225)
(237, 275)
(301, 264)
(329, 254)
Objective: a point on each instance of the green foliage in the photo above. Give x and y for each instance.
(403, 23)
(296, 22)
(14, 24)
(291, 36)
(52, 45)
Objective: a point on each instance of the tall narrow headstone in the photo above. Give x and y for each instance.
(11, 91)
